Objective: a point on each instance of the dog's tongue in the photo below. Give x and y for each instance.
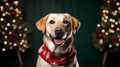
(58, 41)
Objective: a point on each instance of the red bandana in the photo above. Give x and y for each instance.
(63, 59)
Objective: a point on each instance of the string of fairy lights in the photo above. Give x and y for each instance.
(13, 32)
(108, 36)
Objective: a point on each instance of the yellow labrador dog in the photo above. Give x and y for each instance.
(57, 49)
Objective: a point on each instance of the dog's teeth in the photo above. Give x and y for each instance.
(64, 37)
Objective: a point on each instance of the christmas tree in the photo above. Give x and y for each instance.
(13, 32)
(107, 37)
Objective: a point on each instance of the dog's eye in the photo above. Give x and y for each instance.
(65, 22)
(52, 22)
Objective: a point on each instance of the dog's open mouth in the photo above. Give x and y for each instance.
(58, 40)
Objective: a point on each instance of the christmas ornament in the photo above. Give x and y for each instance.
(99, 35)
(13, 13)
(112, 40)
(112, 2)
(21, 15)
(10, 37)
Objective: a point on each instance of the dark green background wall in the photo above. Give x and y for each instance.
(87, 11)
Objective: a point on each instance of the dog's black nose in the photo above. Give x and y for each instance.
(59, 32)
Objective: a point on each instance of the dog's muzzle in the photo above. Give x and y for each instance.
(59, 32)
(60, 36)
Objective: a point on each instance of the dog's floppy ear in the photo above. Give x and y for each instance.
(41, 24)
(75, 24)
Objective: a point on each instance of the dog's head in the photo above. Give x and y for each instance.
(58, 27)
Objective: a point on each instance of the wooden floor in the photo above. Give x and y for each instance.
(82, 65)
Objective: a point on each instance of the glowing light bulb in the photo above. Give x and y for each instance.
(17, 15)
(11, 47)
(112, 25)
(118, 29)
(3, 14)
(7, 4)
(98, 25)
(105, 11)
(111, 31)
(106, 33)
(5, 28)
(119, 40)
(116, 23)
(103, 30)
(8, 24)
(1, 19)
(17, 10)
(20, 49)
(26, 41)
(119, 8)
(108, 1)
(119, 21)
(101, 41)
(21, 43)
(1, 8)
(4, 0)
(24, 35)
(20, 34)
(26, 29)
(10, 43)
(23, 50)
(112, 20)
(3, 49)
(106, 17)
(110, 46)
(10, 32)
(5, 36)
(117, 44)
(25, 45)
(117, 3)
(14, 26)
(114, 13)
(16, 3)
(14, 20)
(101, 49)
(15, 44)
(105, 21)
(3, 33)
(23, 40)
(118, 36)
(5, 42)
(11, 8)
(20, 27)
